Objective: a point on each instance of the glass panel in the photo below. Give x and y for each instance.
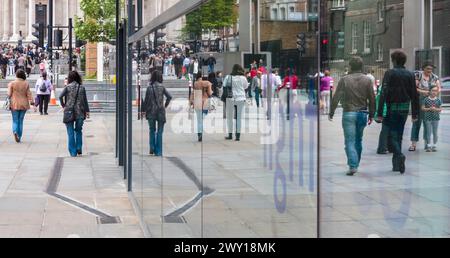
(265, 184)
(137, 131)
(377, 202)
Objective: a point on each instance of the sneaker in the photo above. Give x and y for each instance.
(352, 172)
(428, 149)
(79, 152)
(434, 149)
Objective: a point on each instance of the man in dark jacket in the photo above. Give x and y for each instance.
(398, 93)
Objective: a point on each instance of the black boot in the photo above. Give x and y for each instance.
(238, 137)
(395, 164)
(398, 163)
(230, 137)
(200, 137)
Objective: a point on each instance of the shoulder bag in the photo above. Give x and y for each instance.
(227, 90)
(69, 114)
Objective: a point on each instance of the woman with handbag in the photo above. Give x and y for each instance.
(154, 110)
(20, 97)
(199, 100)
(76, 109)
(234, 96)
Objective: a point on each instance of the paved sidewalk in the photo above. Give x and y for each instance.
(30, 206)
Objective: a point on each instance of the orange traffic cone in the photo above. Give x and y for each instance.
(53, 99)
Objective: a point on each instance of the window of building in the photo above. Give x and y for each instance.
(354, 38)
(274, 14)
(338, 3)
(292, 9)
(282, 13)
(367, 32)
(380, 8)
(380, 51)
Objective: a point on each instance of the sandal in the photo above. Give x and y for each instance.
(412, 148)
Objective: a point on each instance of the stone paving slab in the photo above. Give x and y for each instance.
(26, 210)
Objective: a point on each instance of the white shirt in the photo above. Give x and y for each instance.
(195, 67)
(240, 84)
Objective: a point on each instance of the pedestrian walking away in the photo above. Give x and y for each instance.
(43, 91)
(355, 92)
(236, 84)
(154, 109)
(73, 99)
(399, 93)
(325, 92)
(20, 96)
(199, 101)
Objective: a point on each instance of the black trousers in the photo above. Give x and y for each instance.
(43, 103)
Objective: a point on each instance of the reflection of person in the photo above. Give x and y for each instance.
(325, 92)
(356, 94)
(202, 91)
(432, 108)
(256, 87)
(398, 91)
(238, 84)
(155, 111)
(426, 80)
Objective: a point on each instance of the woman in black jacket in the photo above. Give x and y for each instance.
(154, 109)
(74, 96)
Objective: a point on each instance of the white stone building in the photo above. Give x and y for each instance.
(17, 16)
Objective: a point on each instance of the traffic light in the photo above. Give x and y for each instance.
(324, 45)
(58, 38)
(39, 34)
(301, 42)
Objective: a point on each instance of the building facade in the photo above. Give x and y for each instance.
(373, 29)
(17, 17)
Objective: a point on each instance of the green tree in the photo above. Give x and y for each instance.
(214, 15)
(98, 23)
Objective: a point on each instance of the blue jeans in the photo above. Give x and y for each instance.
(200, 116)
(17, 126)
(210, 69)
(431, 129)
(354, 124)
(156, 136)
(415, 130)
(257, 97)
(75, 135)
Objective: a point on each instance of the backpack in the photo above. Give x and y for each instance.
(43, 87)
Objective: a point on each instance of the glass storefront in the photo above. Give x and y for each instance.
(286, 177)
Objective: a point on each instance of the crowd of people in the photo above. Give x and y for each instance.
(27, 58)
